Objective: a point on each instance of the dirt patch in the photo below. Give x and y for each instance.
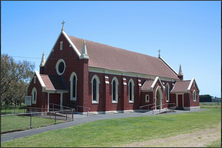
(196, 139)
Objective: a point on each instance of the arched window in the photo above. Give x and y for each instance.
(194, 96)
(147, 98)
(95, 89)
(131, 91)
(115, 84)
(73, 86)
(167, 92)
(34, 95)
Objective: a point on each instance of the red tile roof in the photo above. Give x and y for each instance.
(108, 57)
(53, 82)
(147, 85)
(181, 86)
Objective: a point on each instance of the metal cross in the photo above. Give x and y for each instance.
(63, 24)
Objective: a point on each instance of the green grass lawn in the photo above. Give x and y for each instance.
(9, 123)
(12, 111)
(117, 132)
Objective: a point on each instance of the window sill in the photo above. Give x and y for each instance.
(95, 102)
(131, 101)
(114, 102)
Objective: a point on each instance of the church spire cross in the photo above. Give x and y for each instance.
(159, 53)
(63, 26)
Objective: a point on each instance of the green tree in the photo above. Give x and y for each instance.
(14, 79)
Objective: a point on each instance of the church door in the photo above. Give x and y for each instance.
(180, 101)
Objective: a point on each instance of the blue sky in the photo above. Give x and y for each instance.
(186, 32)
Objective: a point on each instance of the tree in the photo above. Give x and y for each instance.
(14, 79)
(205, 98)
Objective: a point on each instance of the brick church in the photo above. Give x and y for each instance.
(106, 79)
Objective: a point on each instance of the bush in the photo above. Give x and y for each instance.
(22, 107)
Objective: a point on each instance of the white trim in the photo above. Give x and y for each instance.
(70, 42)
(57, 66)
(129, 74)
(34, 79)
(168, 65)
(146, 98)
(161, 96)
(154, 83)
(116, 91)
(132, 82)
(61, 100)
(192, 108)
(61, 45)
(40, 80)
(97, 89)
(167, 92)
(34, 90)
(48, 102)
(71, 87)
(191, 82)
(56, 91)
(194, 98)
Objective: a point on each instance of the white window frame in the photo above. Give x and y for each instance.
(131, 80)
(61, 45)
(57, 66)
(167, 94)
(34, 90)
(71, 86)
(97, 89)
(117, 83)
(34, 79)
(147, 96)
(194, 96)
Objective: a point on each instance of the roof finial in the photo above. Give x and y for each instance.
(43, 60)
(84, 54)
(63, 26)
(159, 53)
(180, 71)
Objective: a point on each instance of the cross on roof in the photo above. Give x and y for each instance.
(63, 26)
(159, 52)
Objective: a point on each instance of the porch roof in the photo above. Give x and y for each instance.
(181, 86)
(54, 83)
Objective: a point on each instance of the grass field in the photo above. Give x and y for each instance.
(11, 110)
(117, 132)
(9, 123)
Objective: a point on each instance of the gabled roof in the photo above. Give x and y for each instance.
(150, 84)
(147, 85)
(183, 86)
(113, 58)
(54, 83)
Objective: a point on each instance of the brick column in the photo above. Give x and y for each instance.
(125, 95)
(107, 94)
(85, 83)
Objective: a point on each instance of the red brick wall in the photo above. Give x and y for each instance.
(105, 91)
(194, 103)
(40, 96)
(151, 99)
(73, 64)
(186, 100)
